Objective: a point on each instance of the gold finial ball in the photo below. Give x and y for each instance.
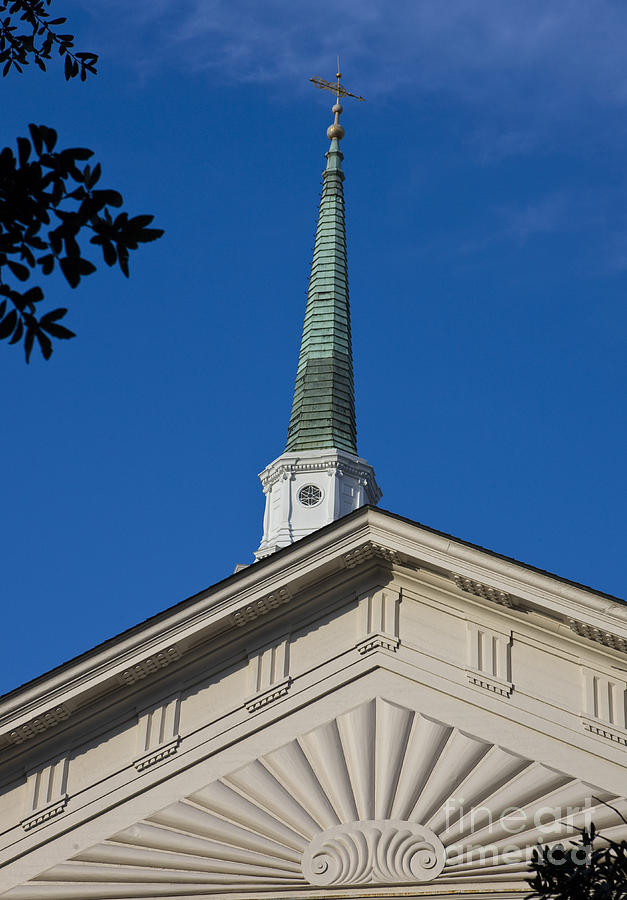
(335, 131)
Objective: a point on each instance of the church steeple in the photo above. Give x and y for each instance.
(319, 477)
(323, 412)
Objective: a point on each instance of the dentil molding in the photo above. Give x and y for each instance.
(470, 586)
(261, 607)
(369, 550)
(615, 641)
(149, 666)
(604, 730)
(42, 723)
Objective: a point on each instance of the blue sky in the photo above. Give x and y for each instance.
(487, 222)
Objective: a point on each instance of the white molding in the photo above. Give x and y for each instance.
(46, 792)
(149, 666)
(276, 690)
(367, 551)
(45, 813)
(377, 641)
(489, 682)
(602, 729)
(600, 635)
(158, 732)
(49, 719)
(269, 675)
(304, 564)
(605, 705)
(157, 754)
(470, 586)
(261, 607)
(489, 660)
(378, 617)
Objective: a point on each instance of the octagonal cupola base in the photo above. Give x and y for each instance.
(311, 488)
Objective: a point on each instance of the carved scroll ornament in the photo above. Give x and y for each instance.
(373, 852)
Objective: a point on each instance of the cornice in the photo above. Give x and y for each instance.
(143, 651)
(592, 633)
(326, 460)
(505, 581)
(266, 588)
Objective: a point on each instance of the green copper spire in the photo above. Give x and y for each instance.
(323, 412)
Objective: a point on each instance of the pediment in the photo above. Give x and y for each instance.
(378, 797)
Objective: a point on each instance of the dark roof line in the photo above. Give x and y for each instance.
(283, 551)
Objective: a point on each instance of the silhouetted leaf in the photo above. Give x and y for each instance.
(49, 136)
(17, 336)
(33, 295)
(53, 183)
(140, 221)
(49, 323)
(47, 263)
(23, 149)
(44, 343)
(8, 324)
(56, 241)
(149, 234)
(94, 176)
(110, 198)
(28, 342)
(69, 267)
(77, 153)
(18, 270)
(110, 256)
(85, 267)
(123, 260)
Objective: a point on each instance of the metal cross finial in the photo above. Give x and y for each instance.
(335, 87)
(335, 131)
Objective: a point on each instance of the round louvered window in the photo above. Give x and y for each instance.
(310, 495)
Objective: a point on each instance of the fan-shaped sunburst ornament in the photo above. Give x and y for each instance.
(381, 795)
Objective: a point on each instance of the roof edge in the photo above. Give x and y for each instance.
(221, 599)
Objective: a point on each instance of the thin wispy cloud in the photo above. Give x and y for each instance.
(525, 77)
(559, 212)
(542, 53)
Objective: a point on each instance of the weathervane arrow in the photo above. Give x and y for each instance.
(334, 86)
(337, 88)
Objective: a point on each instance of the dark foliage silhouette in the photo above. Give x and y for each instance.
(52, 188)
(28, 34)
(49, 200)
(594, 868)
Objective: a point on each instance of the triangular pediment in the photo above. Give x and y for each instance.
(355, 713)
(380, 795)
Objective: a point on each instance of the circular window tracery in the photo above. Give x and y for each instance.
(310, 495)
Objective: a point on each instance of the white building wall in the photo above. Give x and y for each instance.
(319, 641)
